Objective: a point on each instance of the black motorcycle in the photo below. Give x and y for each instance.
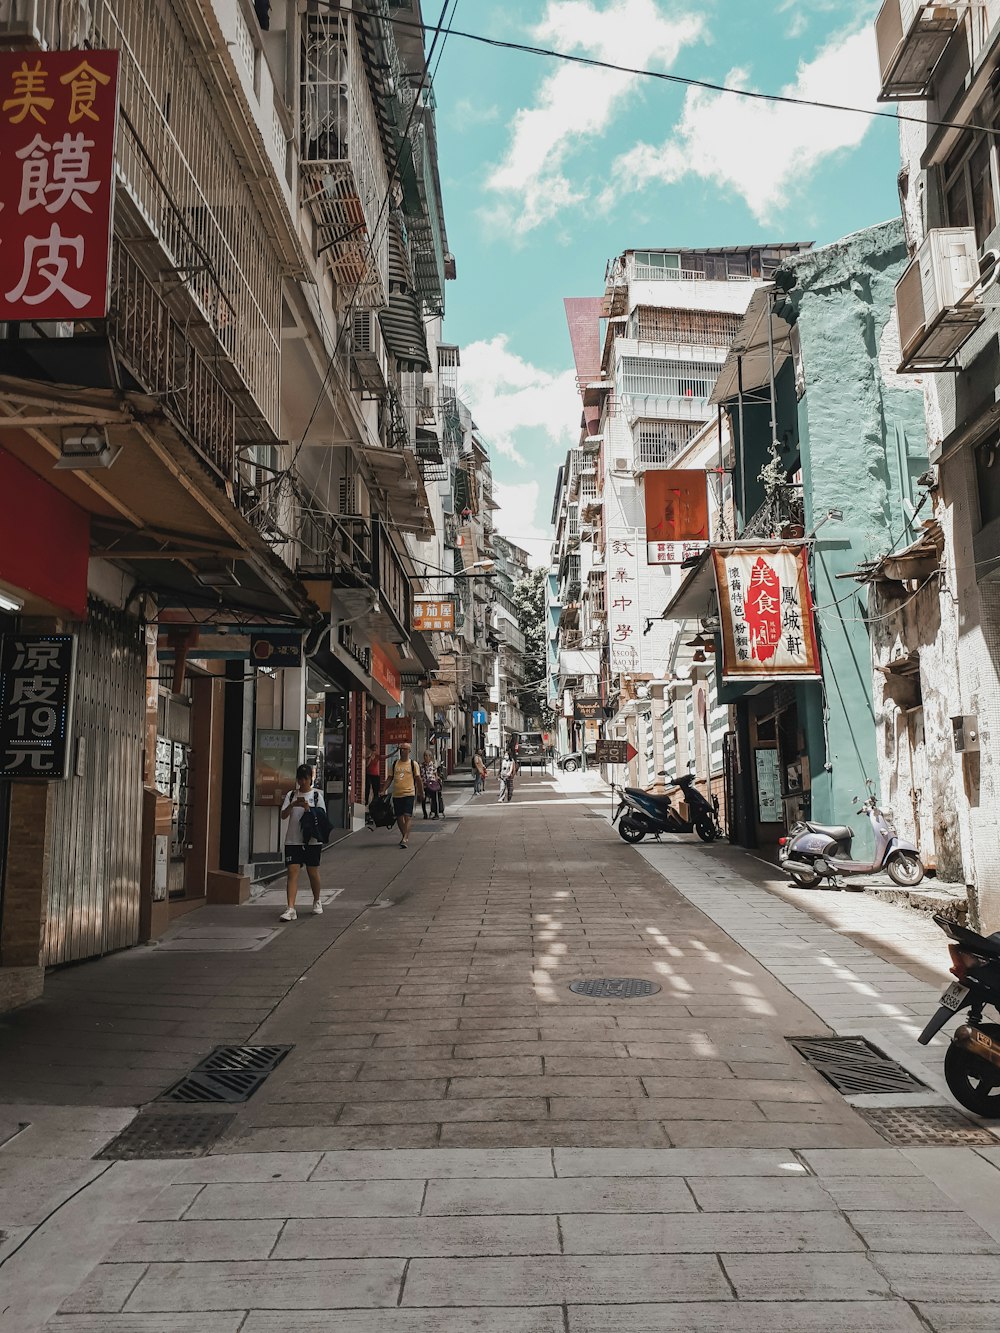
(653, 813)
(972, 1061)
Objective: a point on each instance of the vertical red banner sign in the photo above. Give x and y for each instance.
(58, 113)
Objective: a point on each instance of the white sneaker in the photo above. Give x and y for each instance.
(317, 908)
(289, 915)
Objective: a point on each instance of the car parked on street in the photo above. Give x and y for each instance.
(573, 760)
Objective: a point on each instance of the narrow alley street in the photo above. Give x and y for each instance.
(458, 1141)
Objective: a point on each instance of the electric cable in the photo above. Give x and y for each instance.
(688, 81)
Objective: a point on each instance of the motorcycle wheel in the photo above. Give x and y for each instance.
(804, 879)
(973, 1082)
(706, 830)
(905, 869)
(630, 832)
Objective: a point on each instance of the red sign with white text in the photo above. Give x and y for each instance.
(58, 112)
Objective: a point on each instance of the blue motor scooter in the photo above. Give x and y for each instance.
(640, 812)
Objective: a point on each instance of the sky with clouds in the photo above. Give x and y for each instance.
(550, 169)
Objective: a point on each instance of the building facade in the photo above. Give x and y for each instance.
(227, 489)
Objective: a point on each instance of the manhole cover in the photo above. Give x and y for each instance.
(152, 1135)
(229, 1074)
(615, 988)
(854, 1065)
(926, 1127)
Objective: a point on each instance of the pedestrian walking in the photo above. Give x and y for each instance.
(301, 852)
(407, 786)
(478, 773)
(373, 774)
(431, 780)
(507, 770)
(463, 750)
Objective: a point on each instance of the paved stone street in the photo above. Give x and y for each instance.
(459, 1142)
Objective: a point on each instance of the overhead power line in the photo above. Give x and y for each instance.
(689, 82)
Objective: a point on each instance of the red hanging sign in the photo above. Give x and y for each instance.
(58, 113)
(676, 514)
(766, 611)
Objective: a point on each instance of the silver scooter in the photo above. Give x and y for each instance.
(814, 852)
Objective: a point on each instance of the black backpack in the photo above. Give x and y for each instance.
(315, 824)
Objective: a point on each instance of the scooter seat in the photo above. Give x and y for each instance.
(657, 798)
(838, 832)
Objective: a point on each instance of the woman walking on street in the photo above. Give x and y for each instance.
(407, 786)
(432, 786)
(299, 852)
(373, 777)
(478, 773)
(507, 770)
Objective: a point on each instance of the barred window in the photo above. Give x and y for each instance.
(705, 328)
(653, 377)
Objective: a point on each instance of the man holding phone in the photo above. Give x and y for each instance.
(298, 852)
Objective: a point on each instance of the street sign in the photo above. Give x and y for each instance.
(397, 730)
(36, 706)
(276, 650)
(614, 752)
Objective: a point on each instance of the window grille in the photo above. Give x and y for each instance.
(654, 377)
(657, 443)
(178, 163)
(704, 328)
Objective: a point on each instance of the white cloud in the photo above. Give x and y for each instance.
(576, 102)
(518, 518)
(508, 394)
(763, 151)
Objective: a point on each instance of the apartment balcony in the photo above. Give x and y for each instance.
(343, 178)
(657, 443)
(912, 37)
(781, 516)
(633, 407)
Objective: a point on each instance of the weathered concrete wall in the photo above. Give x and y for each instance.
(862, 446)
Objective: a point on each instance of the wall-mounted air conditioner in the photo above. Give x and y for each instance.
(620, 463)
(911, 36)
(368, 351)
(938, 305)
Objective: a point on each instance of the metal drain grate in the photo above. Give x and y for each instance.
(152, 1136)
(615, 988)
(229, 1074)
(854, 1065)
(926, 1127)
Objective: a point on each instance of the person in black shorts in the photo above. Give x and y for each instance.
(298, 852)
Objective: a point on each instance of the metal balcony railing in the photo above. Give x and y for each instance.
(782, 514)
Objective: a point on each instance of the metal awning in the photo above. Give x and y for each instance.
(402, 325)
(397, 472)
(695, 598)
(751, 347)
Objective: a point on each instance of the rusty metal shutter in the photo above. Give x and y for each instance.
(96, 818)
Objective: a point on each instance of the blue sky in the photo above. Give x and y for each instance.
(549, 170)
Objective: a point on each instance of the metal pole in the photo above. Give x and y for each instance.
(770, 355)
(743, 446)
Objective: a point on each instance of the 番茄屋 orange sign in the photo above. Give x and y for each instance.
(766, 612)
(58, 112)
(436, 613)
(676, 514)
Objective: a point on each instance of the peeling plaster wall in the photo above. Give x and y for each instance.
(862, 446)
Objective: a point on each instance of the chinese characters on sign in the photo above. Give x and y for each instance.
(766, 612)
(676, 514)
(36, 705)
(433, 614)
(623, 599)
(58, 112)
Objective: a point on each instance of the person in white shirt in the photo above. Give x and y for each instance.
(507, 770)
(298, 851)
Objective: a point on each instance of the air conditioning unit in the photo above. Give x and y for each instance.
(368, 351)
(911, 36)
(938, 305)
(620, 463)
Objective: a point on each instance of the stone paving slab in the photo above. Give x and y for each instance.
(290, 1284)
(754, 1317)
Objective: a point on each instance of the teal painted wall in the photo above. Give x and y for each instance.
(862, 444)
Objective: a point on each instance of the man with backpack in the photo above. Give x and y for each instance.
(303, 812)
(406, 786)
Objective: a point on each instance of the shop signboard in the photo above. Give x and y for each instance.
(433, 613)
(766, 612)
(614, 752)
(397, 730)
(386, 673)
(276, 650)
(588, 709)
(676, 514)
(58, 112)
(623, 599)
(276, 757)
(768, 786)
(36, 706)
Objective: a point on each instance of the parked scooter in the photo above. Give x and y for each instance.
(651, 812)
(814, 852)
(972, 1061)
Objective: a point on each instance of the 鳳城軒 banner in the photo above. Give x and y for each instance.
(766, 611)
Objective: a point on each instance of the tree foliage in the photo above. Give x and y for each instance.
(530, 609)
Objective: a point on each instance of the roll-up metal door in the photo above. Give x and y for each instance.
(96, 817)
